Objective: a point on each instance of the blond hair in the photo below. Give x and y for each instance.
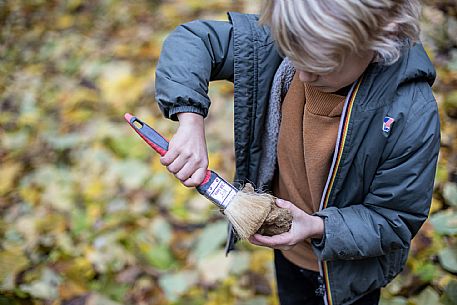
(317, 35)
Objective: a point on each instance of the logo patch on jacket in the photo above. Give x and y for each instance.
(387, 124)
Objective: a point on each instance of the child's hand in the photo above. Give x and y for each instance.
(303, 226)
(187, 157)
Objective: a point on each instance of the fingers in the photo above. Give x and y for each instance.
(196, 178)
(187, 156)
(299, 231)
(282, 241)
(177, 164)
(189, 171)
(169, 157)
(185, 171)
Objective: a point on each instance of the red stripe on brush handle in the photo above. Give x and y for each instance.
(207, 177)
(152, 137)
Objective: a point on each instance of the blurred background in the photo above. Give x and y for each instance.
(87, 213)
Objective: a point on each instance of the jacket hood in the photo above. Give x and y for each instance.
(381, 82)
(416, 66)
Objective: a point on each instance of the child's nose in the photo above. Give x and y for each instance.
(307, 77)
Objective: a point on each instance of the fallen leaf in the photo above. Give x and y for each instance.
(175, 284)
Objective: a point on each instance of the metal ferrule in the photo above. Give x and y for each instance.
(218, 191)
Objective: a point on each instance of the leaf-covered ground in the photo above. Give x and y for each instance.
(88, 214)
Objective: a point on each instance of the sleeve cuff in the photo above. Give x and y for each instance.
(172, 114)
(318, 244)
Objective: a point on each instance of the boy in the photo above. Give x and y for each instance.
(344, 129)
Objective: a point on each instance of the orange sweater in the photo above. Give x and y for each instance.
(307, 137)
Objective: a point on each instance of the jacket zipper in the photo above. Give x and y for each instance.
(341, 139)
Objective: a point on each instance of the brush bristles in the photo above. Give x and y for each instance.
(247, 211)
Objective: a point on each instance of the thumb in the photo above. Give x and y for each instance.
(288, 205)
(284, 203)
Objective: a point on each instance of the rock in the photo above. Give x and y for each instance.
(278, 221)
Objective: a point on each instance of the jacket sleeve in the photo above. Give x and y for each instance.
(398, 201)
(192, 55)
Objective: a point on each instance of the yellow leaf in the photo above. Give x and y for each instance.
(30, 194)
(70, 289)
(65, 21)
(260, 260)
(78, 270)
(182, 193)
(8, 173)
(94, 189)
(123, 50)
(436, 205)
(81, 95)
(216, 160)
(223, 295)
(94, 212)
(120, 86)
(51, 223)
(11, 262)
(156, 166)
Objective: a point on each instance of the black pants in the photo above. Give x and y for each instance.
(297, 286)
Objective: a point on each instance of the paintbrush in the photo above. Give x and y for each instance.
(246, 211)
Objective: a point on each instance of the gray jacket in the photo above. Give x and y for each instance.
(380, 185)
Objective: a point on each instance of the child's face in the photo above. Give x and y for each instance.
(345, 75)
